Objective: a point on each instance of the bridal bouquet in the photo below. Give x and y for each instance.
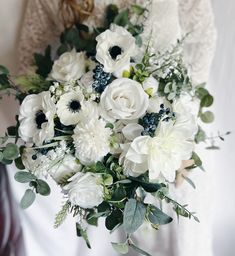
(111, 121)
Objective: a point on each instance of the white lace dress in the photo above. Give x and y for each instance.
(168, 19)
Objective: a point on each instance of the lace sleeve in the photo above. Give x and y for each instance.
(197, 19)
(40, 27)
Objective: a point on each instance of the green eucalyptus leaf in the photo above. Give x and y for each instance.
(111, 13)
(197, 159)
(28, 199)
(134, 214)
(138, 9)
(24, 177)
(43, 188)
(158, 217)
(147, 186)
(140, 251)
(121, 248)
(207, 101)
(202, 92)
(207, 117)
(200, 136)
(11, 151)
(19, 164)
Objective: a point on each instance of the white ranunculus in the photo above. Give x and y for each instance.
(69, 107)
(84, 190)
(36, 118)
(163, 153)
(66, 167)
(91, 141)
(150, 86)
(115, 47)
(124, 99)
(69, 67)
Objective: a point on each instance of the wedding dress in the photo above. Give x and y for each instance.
(168, 19)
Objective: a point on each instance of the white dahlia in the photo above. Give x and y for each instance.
(36, 118)
(163, 153)
(91, 141)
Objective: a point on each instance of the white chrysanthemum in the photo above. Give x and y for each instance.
(84, 190)
(69, 107)
(163, 153)
(70, 66)
(66, 167)
(91, 140)
(36, 118)
(115, 47)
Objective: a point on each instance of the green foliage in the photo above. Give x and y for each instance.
(114, 219)
(134, 214)
(27, 199)
(44, 62)
(138, 250)
(4, 70)
(42, 188)
(111, 13)
(197, 160)
(121, 248)
(137, 9)
(11, 151)
(190, 182)
(200, 136)
(122, 19)
(83, 233)
(62, 214)
(32, 83)
(207, 117)
(157, 217)
(147, 186)
(25, 177)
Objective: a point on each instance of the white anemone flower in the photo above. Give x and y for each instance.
(36, 118)
(164, 153)
(69, 107)
(115, 47)
(91, 141)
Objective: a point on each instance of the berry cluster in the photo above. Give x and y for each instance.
(151, 120)
(101, 78)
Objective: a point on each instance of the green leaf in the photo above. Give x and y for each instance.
(189, 181)
(62, 49)
(121, 248)
(207, 101)
(147, 186)
(213, 147)
(24, 177)
(122, 19)
(134, 214)
(3, 70)
(158, 217)
(137, 249)
(202, 92)
(114, 219)
(61, 215)
(1, 156)
(44, 62)
(197, 159)
(11, 151)
(207, 117)
(200, 136)
(28, 199)
(111, 13)
(12, 131)
(138, 9)
(92, 219)
(82, 233)
(109, 125)
(82, 27)
(119, 193)
(19, 164)
(43, 188)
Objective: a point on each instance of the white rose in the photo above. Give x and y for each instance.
(65, 168)
(84, 190)
(115, 47)
(124, 99)
(36, 118)
(70, 66)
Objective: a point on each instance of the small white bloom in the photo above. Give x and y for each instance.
(66, 167)
(86, 82)
(69, 107)
(37, 118)
(132, 130)
(163, 153)
(84, 190)
(70, 66)
(124, 99)
(150, 86)
(114, 48)
(91, 140)
(155, 103)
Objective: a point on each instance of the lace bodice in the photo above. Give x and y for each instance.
(168, 19)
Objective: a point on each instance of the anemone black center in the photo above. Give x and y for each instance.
(40, 118)
(74, 106)
(115, 51)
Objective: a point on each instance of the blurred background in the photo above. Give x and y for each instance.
(221, 163)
